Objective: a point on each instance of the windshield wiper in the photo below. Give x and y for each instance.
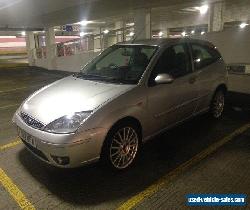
(120, 81)
(104, 78)
(89, 76)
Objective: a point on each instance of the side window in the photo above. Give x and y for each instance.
(203, 55)
(174, 61)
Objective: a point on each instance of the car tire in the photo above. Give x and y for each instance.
(218, 104)
(122, 145)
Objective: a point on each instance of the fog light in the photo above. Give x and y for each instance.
(61, 160)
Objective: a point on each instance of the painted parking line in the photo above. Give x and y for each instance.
(13, 190)
(165, 180)
(14, 143)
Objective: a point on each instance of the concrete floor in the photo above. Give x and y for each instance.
(92, 187)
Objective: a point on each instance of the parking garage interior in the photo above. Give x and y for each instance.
(44, 41)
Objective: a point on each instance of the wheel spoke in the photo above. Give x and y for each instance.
(118, 142)
(120, 136)
(116, 148)
(116, 153)
(117, 158)
(127, 137)
(131, 136)
(124, 134)
(119, 161)
(132, 140)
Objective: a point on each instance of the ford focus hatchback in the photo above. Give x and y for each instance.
(125, 96)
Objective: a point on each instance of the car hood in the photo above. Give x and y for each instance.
(70, 95)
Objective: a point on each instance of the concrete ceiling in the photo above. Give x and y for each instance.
(42, 13)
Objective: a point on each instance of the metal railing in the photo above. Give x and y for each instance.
(89, 43)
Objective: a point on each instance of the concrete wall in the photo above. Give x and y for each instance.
(68, 63)
(239, 83)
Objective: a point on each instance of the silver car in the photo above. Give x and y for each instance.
(125, 96)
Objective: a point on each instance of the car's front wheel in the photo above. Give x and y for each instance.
(218, 104)
(122, 146)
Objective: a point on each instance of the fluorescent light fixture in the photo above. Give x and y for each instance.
(203, 32)
(160, 33)
(131, 33)
(82, 34)
(106, 31)
(203, 9)
(130, 24)
(243, 25)
(193, 32)
(84, 22)
(7, 37)
(183, 33)
(23, 33)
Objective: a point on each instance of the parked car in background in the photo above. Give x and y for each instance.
(125, 96)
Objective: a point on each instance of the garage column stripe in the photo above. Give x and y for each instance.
(16, 194)
(135, 200)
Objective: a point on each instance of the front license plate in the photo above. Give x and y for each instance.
(26, 137)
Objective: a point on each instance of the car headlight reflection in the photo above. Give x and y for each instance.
(67, 123)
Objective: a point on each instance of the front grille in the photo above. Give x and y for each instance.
(31, 121)
(39, 153)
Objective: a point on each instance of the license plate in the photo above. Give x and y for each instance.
(26, 137)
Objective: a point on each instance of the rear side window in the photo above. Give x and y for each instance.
(204, 55)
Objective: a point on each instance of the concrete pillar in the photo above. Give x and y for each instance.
(120, 33)
(91, 43)
(30, 46)
(216, 12)
(50, 47)
(164, 28)
(142, 21)
(105, 40)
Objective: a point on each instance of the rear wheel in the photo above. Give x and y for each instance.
(122, 146)
(218, 104)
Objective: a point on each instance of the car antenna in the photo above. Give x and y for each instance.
(139, 33)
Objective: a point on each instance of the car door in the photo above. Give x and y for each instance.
(206, 61)
(172, 103)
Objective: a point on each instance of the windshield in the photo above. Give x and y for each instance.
(120, 64)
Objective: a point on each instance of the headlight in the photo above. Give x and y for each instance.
(67, 123)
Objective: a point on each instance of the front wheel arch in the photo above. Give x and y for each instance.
(124, 121)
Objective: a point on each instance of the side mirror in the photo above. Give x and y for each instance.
(164, 79)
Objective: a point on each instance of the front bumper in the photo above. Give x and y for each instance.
(63, 150)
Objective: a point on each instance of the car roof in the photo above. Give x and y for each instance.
(164, 41)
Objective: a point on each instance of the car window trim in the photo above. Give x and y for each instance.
(161, 53)
(203, 45)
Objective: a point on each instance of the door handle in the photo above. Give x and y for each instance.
(192, 80)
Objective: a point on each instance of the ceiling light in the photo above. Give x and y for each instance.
(203, 9)
(23, 33)
(131, 33)
(193, 32)
(82, 34)
(106, 31)
(85, 22)
(243, 25)
(130, 24)
(160, 33)
(203, 32)
(183, 33)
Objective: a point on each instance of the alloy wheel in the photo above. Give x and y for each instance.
(124, 147)
(218, 104)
